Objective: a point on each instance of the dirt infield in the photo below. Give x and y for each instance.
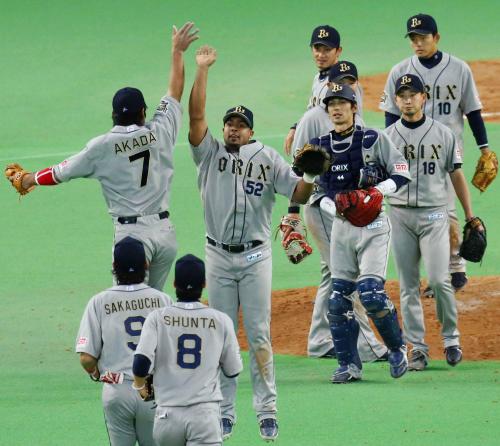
(479, 316)
(486, 74)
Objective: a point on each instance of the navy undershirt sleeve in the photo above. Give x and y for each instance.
(399, 180)
(390, 119)
(476, 124)
(141, 365)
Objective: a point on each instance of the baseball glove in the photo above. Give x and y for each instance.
(311, 159)
(359, 206)
(474, 241)
(148, 393)
(370, 175)
(293, 239)
(486, 171)
(15, 174)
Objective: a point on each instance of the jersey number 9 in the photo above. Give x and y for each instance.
(129, 328)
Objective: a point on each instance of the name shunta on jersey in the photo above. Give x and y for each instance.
(190, 322)
(252, 170)
(134, 143)
(132, 305)
(410, 151)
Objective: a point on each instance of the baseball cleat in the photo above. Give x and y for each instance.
(398, 362)
(268, 429)
(227, 428)
(346, 374)
(458, 280)
(417, 361)
(453, 355)
(428, 292)
(330, 354)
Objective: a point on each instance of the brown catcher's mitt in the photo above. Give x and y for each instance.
(486, 171)
(293, 239)
(359, 206)
(474, 240)
(311, 159)
(15, 174)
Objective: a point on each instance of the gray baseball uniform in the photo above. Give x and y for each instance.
(420, 226)
(188, 344)
(238, 192)
(134, 165)
(109, 331)
(316, 122)
(451, 93)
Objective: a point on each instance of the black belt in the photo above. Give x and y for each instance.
(133, 219)
(235, 248)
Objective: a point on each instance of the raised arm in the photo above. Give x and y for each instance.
(205, 58)
(181, 39)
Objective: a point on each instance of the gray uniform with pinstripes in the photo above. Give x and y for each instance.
(420, 227)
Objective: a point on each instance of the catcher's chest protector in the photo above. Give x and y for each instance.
(347, 160)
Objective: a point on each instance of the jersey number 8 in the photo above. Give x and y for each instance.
(189, 351)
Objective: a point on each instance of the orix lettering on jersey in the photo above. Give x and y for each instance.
(130, 305)
(189, 322)
(236, 166)
(410, 152)
(442, 92)
(134, 143)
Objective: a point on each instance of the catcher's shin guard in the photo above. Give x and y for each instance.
(381, 311)
(343, 326)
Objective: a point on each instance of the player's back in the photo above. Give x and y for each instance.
(193, 343)
(112, 324)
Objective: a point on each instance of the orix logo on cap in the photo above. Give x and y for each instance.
(239, 109)
(344, 67)
(323, 33)
(415, 22)
(336, 87)
(405, 80)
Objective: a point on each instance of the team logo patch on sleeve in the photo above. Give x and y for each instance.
(401, 168)
(458, 154)
(82, 341)
(162, 107)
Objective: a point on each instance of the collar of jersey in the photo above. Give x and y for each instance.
(189, 305)
(132, 287)
(125, 128)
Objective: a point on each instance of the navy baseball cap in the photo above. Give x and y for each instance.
(340, 91)
(325, 35)
(128, 100)
(421, 24)
(241, 111)
(189, 273)
(410, 81)
(342, 69)
(129, 256)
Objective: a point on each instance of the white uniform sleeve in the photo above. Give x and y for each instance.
(285, 180)
(149, 337)
(387, 101)
(168, 118)
(81, 165)
(307, 129)
(230, 360)
(390, 157)
(453, 156)
(89, 338)
(207, 146)
(470, 97)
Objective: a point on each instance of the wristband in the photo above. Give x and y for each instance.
(309, 178)
(138, 388)
(294, 209)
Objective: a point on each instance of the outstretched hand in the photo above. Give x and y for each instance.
(206, 56)
(183, 37)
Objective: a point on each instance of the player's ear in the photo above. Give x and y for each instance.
(251, 133)
(339, 51)
(437, 36)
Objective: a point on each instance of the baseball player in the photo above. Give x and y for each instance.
(359, 253)
(316, 122)
(420, 221)
(451, 93)
(186, 345)
(326, 50)
(133, 163)
(238, 179)
(107, 338)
